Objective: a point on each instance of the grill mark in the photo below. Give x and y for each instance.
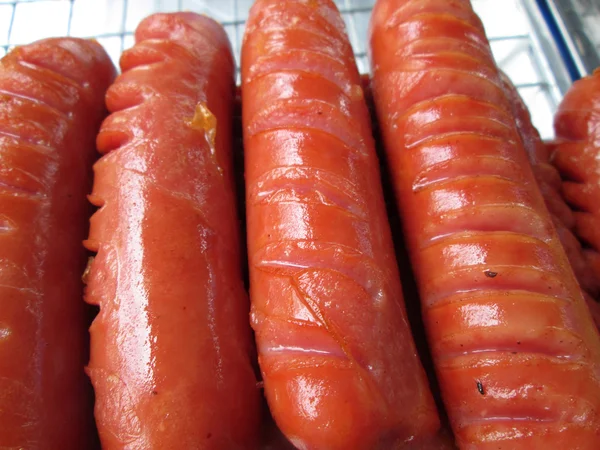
(470, 233)
(417, 107)
(298, 65)
(459, 223)
(449, 135)
(21, 191)
(39, 144)
(552, 285)
(429, 184)
(483, 352)
(18, 141)
(18, 187)
(260, 315)
(494, 82)
(476, 36)
(38, 102)
(289, 346)
(317, 200)
(336, 47)
(350, 93)
(314, 308)
(329, 190)
(439, 103)
(320, 316)
(328, 19)
(22, 289)
(479, 294)
(354, 140)
(410, 50)
(63, 96)
(61, 77)
(357, 258)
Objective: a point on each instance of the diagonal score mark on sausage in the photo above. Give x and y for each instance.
(335, 347)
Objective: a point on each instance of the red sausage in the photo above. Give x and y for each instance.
(576, 155)
(516, 351)
(336, 353)
(549, 182)
(171, 347)
(51, 105)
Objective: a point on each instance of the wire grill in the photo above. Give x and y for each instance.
(519, 42)
(579, 23)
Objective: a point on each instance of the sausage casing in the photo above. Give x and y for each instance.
(171, 347)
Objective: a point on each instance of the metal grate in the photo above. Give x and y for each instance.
(520, 42)
(579, 23)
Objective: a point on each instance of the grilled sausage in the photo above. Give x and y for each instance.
(51, 106)
(575, 154)
(337, 357)
(171, 347)
(549, 182)
(516, 351)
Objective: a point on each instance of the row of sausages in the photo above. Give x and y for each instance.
(485, 216)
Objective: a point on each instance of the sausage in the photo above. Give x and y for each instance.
(516, 352)
(575, 155)
(335, 348)
(171, 347)
(51, 105)
(546, 175)
(549, 182)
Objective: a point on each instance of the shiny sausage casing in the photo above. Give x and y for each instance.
(51, 106)
(549, 182)
(338, 360)
(576, 154)
(171, 347)
(516, 351)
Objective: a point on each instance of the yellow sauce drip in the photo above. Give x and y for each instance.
(204, 120)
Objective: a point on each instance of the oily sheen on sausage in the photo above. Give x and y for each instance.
(51, 106)
(576, 156)
(516, 352)
(549, 182)
(338, 360)
(171, 347)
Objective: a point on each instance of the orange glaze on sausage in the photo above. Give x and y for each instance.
(51, 106)
(549, 182)
(516, 351)
(171, 347)
(576, 154)
(338, 360)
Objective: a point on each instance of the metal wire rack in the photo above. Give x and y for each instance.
(578, 22)
(521, 45)
(589, 10)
